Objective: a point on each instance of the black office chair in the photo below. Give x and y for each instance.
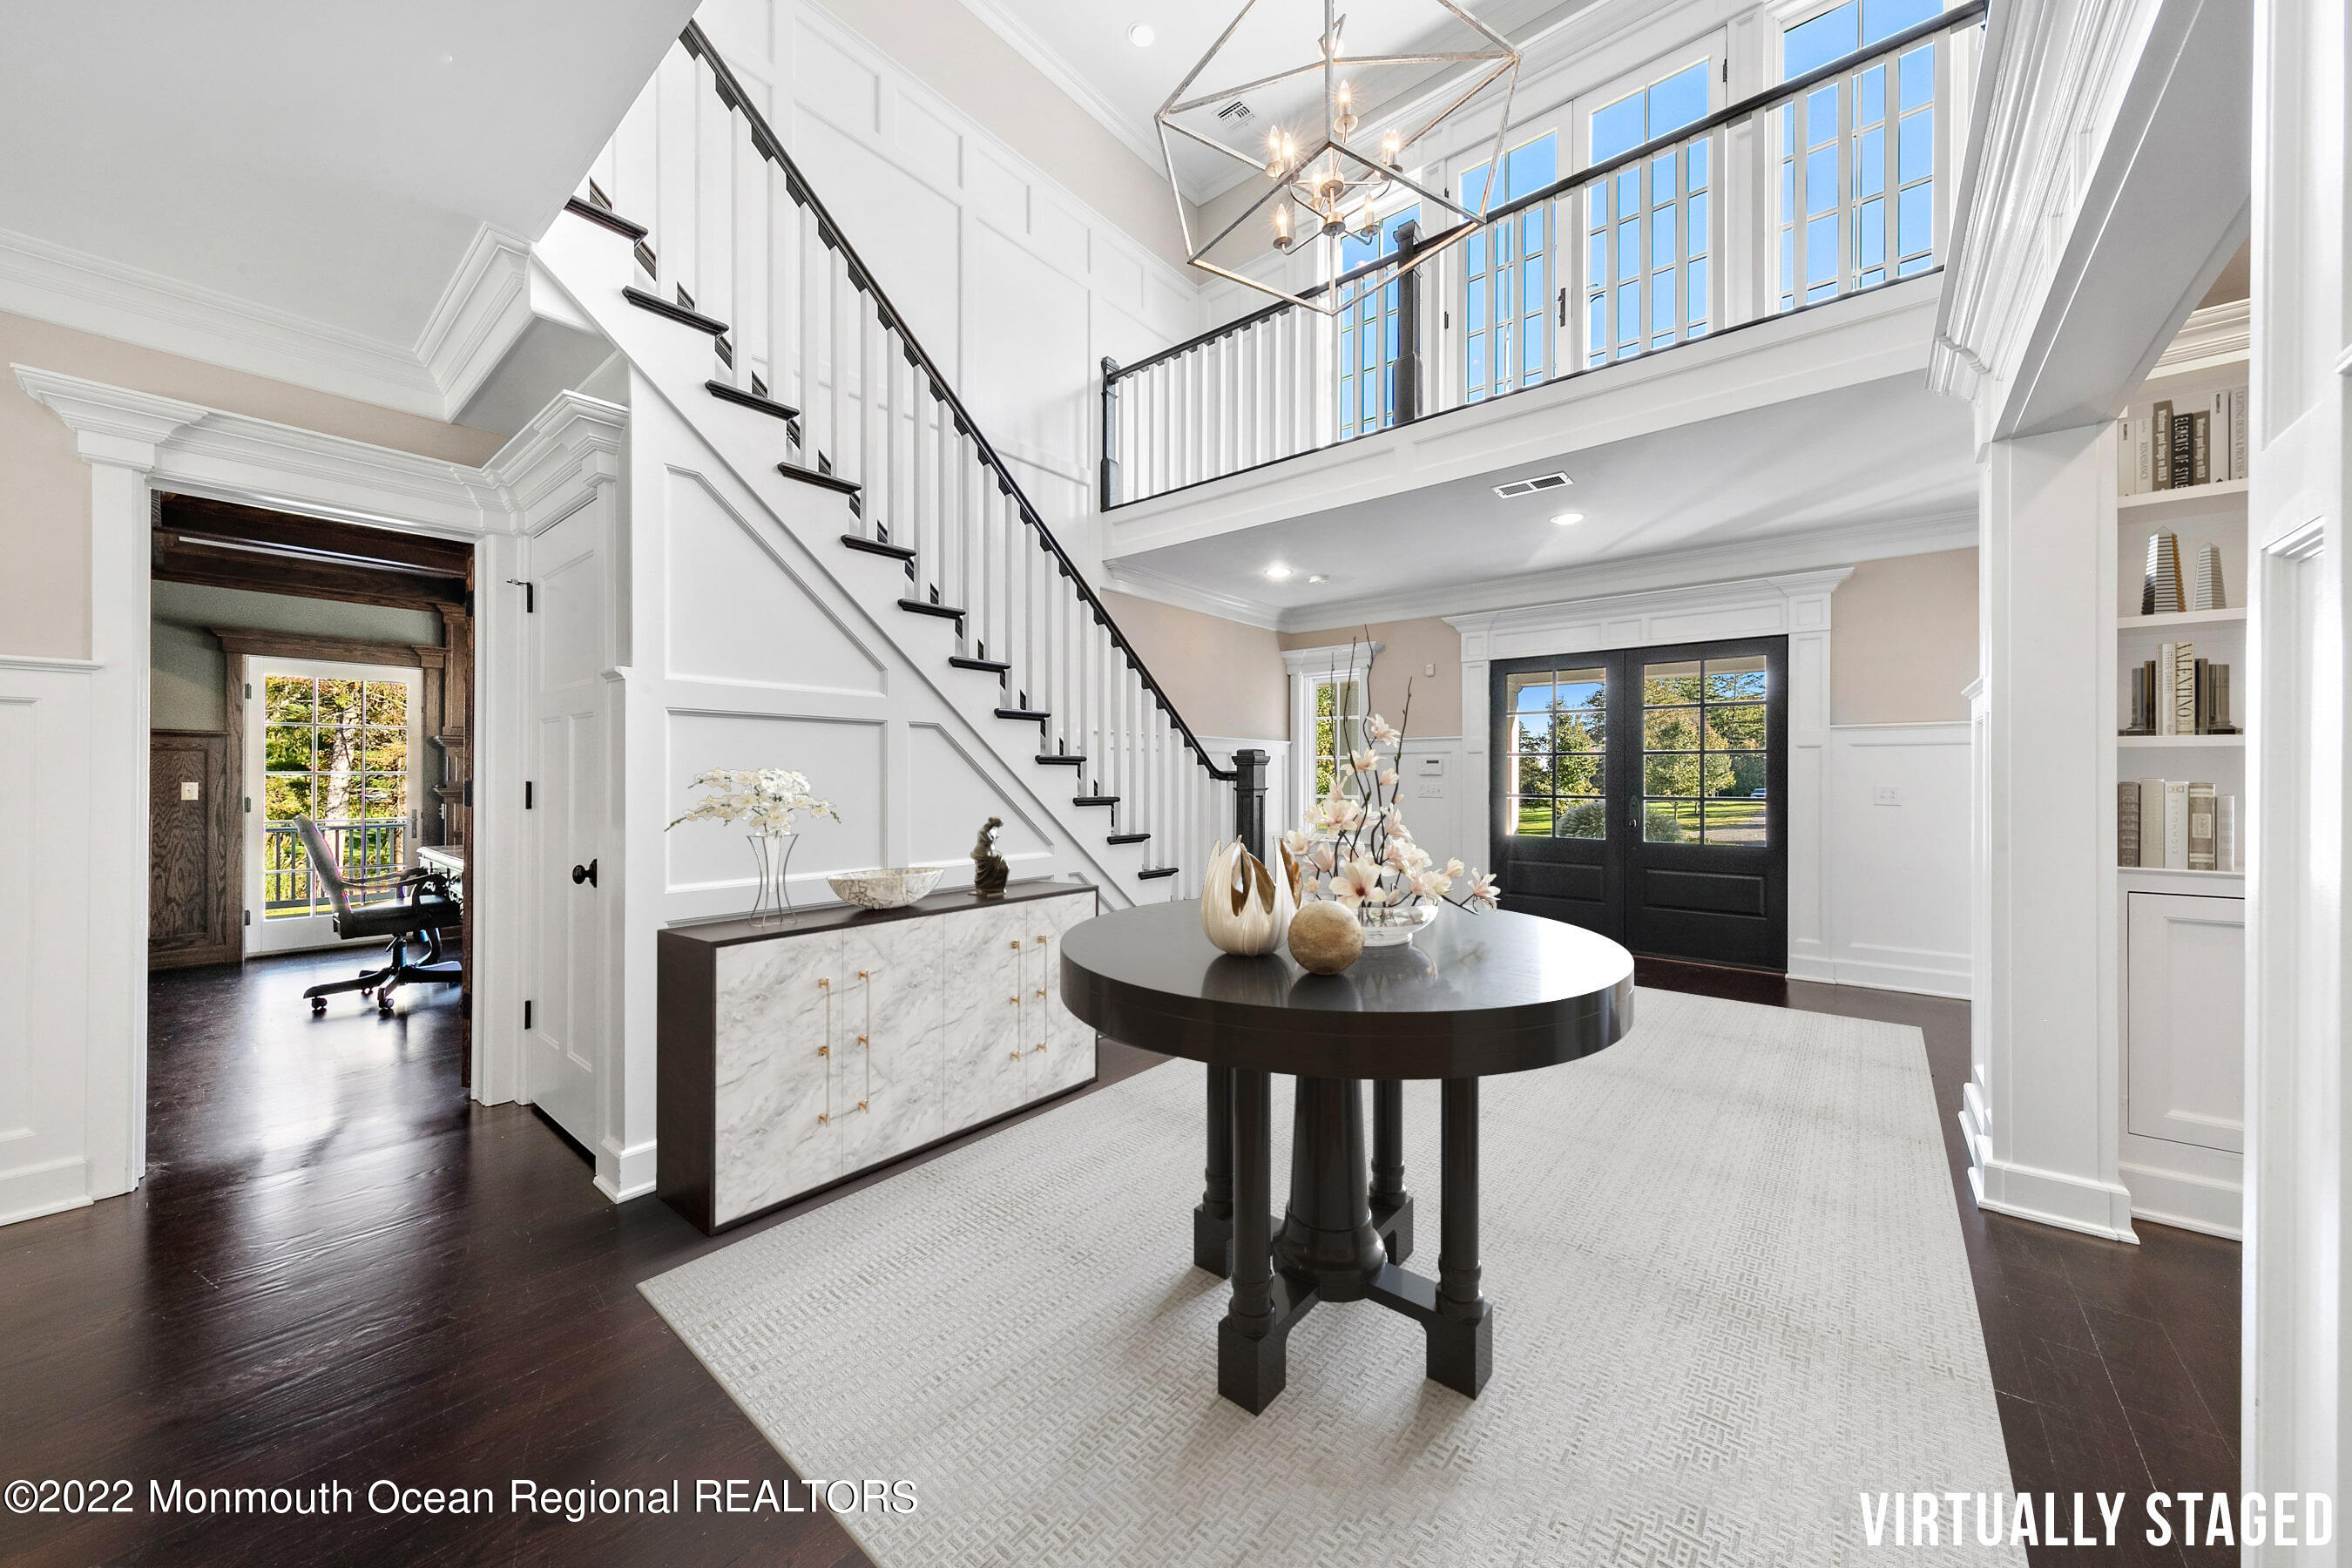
(421, 907)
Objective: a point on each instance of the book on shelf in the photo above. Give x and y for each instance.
(2174, 446)
(2175, 825)
(2184, 451)
(2237, 440)
(2200, 454)
(2160, 420)
(2176, 693)
(2200, 828)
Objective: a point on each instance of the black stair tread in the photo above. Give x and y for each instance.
(611, 220)
(1034, 715)
(925, 607)
(750, 399)
(1056, 760)
(676, 312)
(992, 665)
(810, 477)
(1127, 839)
(877, 547)
(1149, 872)
(1094, 800)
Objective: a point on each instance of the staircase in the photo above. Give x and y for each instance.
(731, 253)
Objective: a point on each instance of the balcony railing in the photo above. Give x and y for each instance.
(369, 848)
(1833, 184)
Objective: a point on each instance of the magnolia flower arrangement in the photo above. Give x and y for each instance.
(765, 800)
(1356, 850)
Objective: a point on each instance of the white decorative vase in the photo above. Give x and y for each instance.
(1385, 926)
(1244, 908)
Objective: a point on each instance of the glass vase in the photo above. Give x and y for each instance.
(772, 853)
(1390, 925)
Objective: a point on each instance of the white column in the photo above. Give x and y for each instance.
(2047, 617)
(118, 434)
(2297, 1425)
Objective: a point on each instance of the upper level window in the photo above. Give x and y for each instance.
(1507, 269)
(1368, 334)
(1648, 230)
(1857, 154)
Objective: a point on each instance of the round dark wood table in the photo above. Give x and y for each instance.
(1476, 994)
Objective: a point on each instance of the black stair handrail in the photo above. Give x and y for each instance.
(1754, 103)
(770, 146)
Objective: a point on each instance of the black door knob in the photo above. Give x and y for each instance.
(584, 874)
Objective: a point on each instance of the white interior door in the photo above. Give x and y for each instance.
(568, 957)
(343, 744)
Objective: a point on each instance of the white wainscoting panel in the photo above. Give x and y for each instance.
(45, 872)
(1897, 883)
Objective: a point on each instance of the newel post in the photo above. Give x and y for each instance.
(1407, 396)
(1109, 477)
(1249, 799)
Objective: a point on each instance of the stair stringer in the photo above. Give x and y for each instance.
(860, 590)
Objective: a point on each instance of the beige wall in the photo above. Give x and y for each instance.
(1410, 650)
(1906, 640)
(45, 488)
(1225, 679)
(965, 61)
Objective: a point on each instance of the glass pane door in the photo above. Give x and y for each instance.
(1649, 228)
(1507, 273)
(336, 748)
(1703, 751)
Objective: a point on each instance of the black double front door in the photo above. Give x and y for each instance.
(1643, 793)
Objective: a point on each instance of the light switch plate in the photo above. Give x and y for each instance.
(189, 790)
(1433, 768)
(1889, 795)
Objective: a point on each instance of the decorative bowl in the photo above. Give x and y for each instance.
(1387, 927)
(884, 887)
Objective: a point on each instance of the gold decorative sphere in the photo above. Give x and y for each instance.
(1325, 938)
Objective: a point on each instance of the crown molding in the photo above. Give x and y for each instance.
(1063, 75)
(486, 307)
(110, 299)
(1668, 572)
(1144, 584)
(2215, 334)
(110, 425)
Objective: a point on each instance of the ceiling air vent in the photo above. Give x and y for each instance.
(1237, 113)
(1535, 486)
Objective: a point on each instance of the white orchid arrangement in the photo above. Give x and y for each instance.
(1354, 847)
(765, 800)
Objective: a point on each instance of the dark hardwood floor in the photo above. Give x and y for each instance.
(341, 1269)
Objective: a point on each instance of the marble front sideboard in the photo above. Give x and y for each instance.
(800, 1050)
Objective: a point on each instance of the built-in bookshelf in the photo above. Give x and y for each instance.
(2177, 941)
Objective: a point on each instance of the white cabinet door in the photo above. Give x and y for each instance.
(2185, 1025)
(1069, 1056)
(891, 1066)
(984, 1003)
(783, 1014)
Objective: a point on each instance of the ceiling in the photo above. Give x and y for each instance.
(333, 160)
(1880, 451)
(1084, 44)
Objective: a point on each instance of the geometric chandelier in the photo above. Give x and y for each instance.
(1328, 134)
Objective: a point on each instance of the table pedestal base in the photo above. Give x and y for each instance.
(1343, 1238)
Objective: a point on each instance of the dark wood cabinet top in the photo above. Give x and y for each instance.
(1475, 994)
(729, 929)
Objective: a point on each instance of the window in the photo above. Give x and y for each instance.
(1560, 734)
(1857, 155)
(1368, 334)
(1338, 729)
(1648, 229)
(335, 751)
(1703, 752)
(1507, 267)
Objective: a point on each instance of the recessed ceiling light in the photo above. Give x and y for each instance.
(1142, 35)
(1316, 577)
(1567, 519)
(1277, 572)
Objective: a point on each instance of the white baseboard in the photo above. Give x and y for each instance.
(51, 1187)
(2049, 1197)
(630, 1173)
(2190, 1203)
(1934, 973)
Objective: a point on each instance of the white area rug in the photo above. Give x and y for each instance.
(1729, 1296)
